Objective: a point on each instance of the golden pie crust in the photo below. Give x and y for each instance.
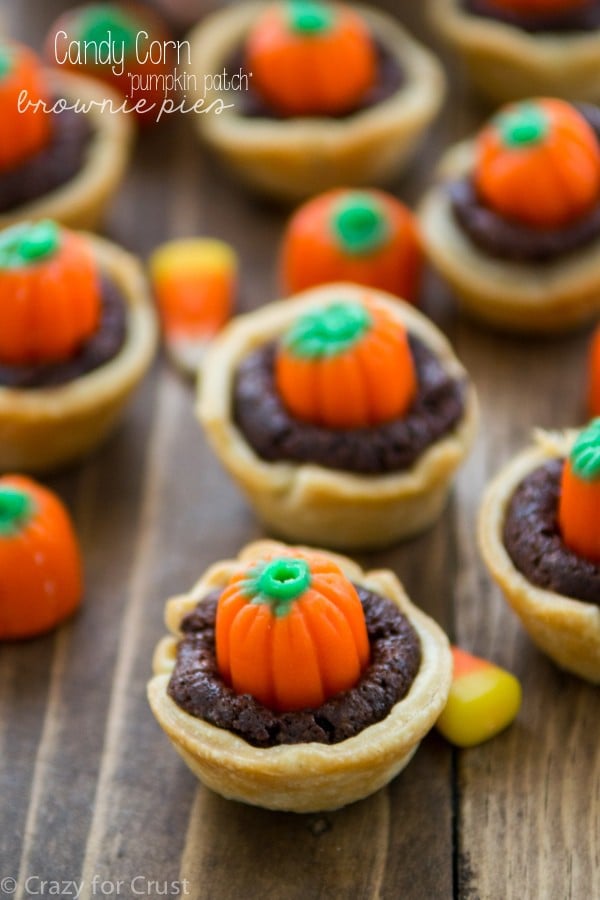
(568, 630)
(310, 503)
(531, 298)
(294, 158)
(306, 777)
(45, 428)
(81, 201)
(507, 63)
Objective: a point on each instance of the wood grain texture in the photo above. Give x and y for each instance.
(88, 783)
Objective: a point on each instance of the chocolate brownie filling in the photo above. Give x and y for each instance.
(275, 435)
(390, 78)
(585, 17)
(506, 239)
(197, 687)
(534, 543)
(97, 351)
(59, 161)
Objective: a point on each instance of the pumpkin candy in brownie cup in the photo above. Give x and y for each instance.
(540, 538)
(77, 333)
(513, 223)
(328, 94)
(515, 48)
(65, 165)
(342, 413)
(367, 237)
(294, 680)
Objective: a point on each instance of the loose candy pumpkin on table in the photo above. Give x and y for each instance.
(367, 237)
(347, 365)
(291, 632)
(538, 162)
(40, 564)
(309, 58)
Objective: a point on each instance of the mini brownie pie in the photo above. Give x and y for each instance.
(62, 165)
(77, 334)
(132, 29)
(367, 237)
(342, 413)
(539, 536)
(594, 375)
(513, 222)
(516, 48)
(336, 94)
(293, 680)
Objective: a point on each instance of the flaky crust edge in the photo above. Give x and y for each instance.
(304, 777)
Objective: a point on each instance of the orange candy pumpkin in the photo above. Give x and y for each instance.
(291, 632)
(50, 293)
(311, 59)
(594, 376)
(579, 502)
(347, 365)
(40, 564)
(538, 162)
(27, 131)
(367, 237)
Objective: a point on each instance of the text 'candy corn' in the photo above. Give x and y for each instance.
(483, 700)
(195, 282)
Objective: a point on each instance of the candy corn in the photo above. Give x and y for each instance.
(195, 282)
(483, 700)
(594, 376)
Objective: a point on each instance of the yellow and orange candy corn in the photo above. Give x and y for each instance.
(195, 282)
(483, 700)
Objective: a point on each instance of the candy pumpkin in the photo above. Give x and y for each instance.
(50, 293)
(24, 131)
(538, 162)
(346, 365)
(309, 58)
(367, 237)
(579, 504)
(290, 631)
(594, 376)
(135, 30)
(40, 565)
(535, 7)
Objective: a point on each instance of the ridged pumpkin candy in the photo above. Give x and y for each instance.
(310, 59)
(27, 130)
(40, 564)
(346, 365)
(579, 502)
(366, 237)
(538, 162)
(594, 376)
(290, 631)
(50, 292)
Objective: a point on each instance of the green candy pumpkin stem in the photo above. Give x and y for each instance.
(329, 331)
(29, 243)
(15, 509)
(360, 225)
(585, 455)
(5, 61)
(524, 125)
(278, 583)
(102, 23)
(308, 17)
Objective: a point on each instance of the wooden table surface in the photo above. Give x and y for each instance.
(89, 785)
